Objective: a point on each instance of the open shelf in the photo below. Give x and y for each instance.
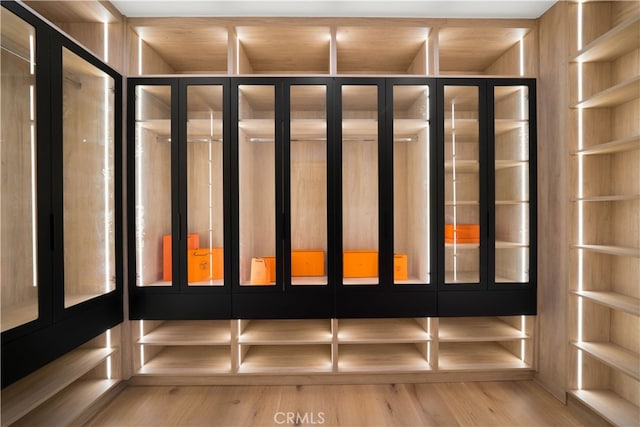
(189, 361)
(507, 125)
(617, 146)
(200, 333)
(271, 332)
(371, 331)
(610, 250)
(22, 397)
(616, 198)
(613, 96)
(609, 406)
(477, 356)
(66, 406)
(614, 43)
(401, 357)
(613, 300)
(477, 329)
(614, 356)
(286, 359)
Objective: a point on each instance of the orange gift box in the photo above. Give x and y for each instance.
(358, 263)
(307, 263)
(205, 264)
(400, 267)
(463, 233)
(193, 241)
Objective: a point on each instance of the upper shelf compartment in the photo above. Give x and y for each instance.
(283, 49)
(612, 44)
(384, 49)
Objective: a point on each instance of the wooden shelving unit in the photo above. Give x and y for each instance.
(604, 298)
(63, 390)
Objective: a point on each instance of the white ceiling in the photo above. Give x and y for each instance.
(337, 8)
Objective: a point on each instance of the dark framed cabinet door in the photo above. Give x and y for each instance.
(486, 152)
(178, 133)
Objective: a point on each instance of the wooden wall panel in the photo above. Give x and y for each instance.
(509, 63)
(553, 196)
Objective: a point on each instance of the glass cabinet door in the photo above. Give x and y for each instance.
(88, 179)
(205, 218)
(462, 185)
(153, 147)
(257, 185)
(308, 184)
(360, 184)
(411, 184)
(18, 219)
(511, 145)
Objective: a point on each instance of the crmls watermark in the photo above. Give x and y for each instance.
(299, 418)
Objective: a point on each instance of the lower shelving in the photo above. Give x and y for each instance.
(274, 348)
(609, 406)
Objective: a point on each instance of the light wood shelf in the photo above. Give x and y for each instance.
(510, 245)
(613, 300)
(506, 164)
(472, 277)
(199, 333)
(189, 361)
(609, 406)
(477, 356)
(65, 407)
(616, 198)
(462, 246)
(614, 43)
(400, 357)
(477, 329)
(22, 397)
(370, 331)
(507, 125)
(462, 166)
(614, 356)
(273, 332)
(466, 129)
(610, 147)
(16, 316)
(610, 250)
(613, 96)
(286, 359)
(462, 203)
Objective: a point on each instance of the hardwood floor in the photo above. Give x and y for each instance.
(522, 403)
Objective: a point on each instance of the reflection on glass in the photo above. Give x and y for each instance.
(512, 183)
(205, 261)
(308, 185)
(88, 179)
(18, 238)
(256, 169)
(411, 184)
(153, 186)
(360, 184)
(462, 192)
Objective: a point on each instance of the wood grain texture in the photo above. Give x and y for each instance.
(453, 404)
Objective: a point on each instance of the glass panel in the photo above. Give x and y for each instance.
(257, 185)
(88, 179)
(360, 184)
(462, 190)
(153, 186)
(308, 185)
(512, 183)
(205, 261)
(18, 234)
(411, 165)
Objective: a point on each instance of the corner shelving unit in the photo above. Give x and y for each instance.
(604, 294)
(63, 391)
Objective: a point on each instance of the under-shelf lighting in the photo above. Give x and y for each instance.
(105, 36)
(455, 209)
(107, 178)
(108, 345)
(139, 191)
(139, 55)
(210, 174)
(580, 159)
(34, 218)
(32, 55)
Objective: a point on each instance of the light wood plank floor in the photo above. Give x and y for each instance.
(522, 403)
